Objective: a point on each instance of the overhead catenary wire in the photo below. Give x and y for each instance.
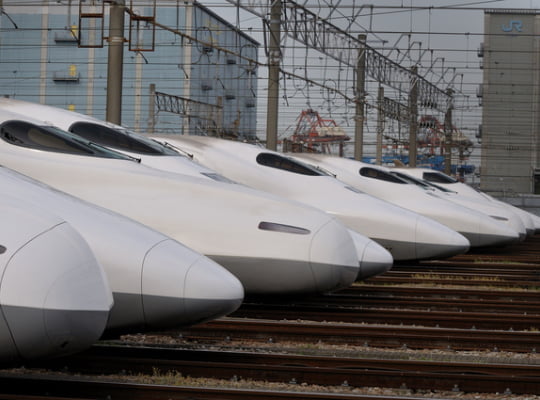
(344, 81)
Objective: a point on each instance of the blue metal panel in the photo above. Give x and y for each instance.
(76, 76)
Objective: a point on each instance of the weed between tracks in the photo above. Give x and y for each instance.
(494, 261)
(175, 378)
(438, 277)
(445, 285)
(332, 350)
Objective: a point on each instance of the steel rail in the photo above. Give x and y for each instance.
(439, 318)
(48, 387)
(387, 336)
(374, 300)
(310, 370)
(458, 280)
(441, 292)
(481, 269)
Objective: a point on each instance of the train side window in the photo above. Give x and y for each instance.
(375, 173)
(286, 164)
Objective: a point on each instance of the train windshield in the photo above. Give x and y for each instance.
(217, 177)
(121, 139)
(50, 138)
(276, 161)
(439, 187)
(438, 178)
(378, 174)
(418, 182)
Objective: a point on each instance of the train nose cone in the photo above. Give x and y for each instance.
(491, 232)
(514, 222)
(527, 221)
(211, 291)
(435, 240)
(377, 260)
(536, 222)
(333, 257)
(373, 258)
(182, 287)
(55, 296)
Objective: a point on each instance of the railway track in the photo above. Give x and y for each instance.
(512, 267)
(439, 292)
(435, 318)
(490, 306)
(422, 300)
(384, 336)
(467, 278)
(477, 279)
(306, 370)
(515, 319)
(58, 388)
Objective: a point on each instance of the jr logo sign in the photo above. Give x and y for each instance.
(513, 25)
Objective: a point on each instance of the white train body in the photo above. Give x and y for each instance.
(270, 244)
(405, 234)
(54, 296)
(531, 221)
(152, 153)
(493, 210)
(167, 157)
(156, 281)
(478, 228)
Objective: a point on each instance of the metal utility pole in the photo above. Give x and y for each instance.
(1, 11)
(274, 62)
(151, 107)
(413, 116)
(360, 105)
(115, 62)
(380, 125)
(448, 134)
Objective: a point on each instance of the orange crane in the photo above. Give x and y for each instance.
(315, 134)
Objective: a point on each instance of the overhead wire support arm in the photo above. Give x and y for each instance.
(317, 33)
(185, 107)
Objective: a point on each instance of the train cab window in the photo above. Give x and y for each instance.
(217, 177)
(438, 178)
(284, 163)
(378, 174)
(410, 179)
(49, 138)
(441, 188)
(120, 139)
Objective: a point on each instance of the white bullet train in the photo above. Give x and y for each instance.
(502, 214)
(440, 179)
(478, 228)
(405, 234)
(152, 153)
(272, 245)
(156, 282)
(168, 158)
(54, 296)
